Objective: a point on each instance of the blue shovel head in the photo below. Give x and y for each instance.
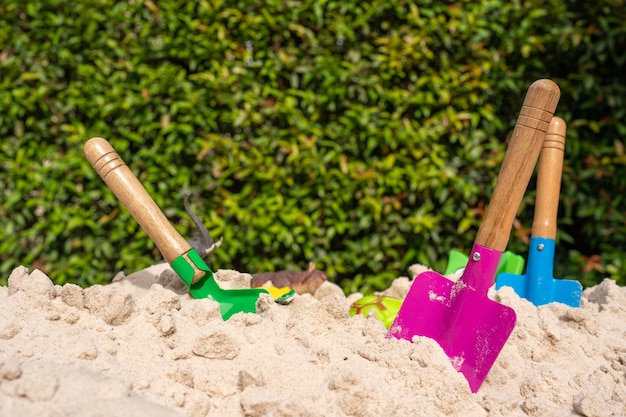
(538, 285)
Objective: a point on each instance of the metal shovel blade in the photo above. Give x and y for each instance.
(470, 328)
(241, 300)
(538, 285)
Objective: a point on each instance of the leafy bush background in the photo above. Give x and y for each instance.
(364, 136)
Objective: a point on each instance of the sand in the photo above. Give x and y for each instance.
(141, 346)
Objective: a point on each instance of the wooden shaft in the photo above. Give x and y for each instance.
(549, 180)
(519, 163)
(127, 188)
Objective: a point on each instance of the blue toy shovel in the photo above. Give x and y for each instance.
(538, 285)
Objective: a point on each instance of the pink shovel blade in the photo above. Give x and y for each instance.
(471, 328)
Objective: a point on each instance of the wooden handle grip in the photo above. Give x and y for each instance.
(519, 163)
(549, 180)
(127, 188)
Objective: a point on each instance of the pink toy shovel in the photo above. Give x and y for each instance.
(471, 328)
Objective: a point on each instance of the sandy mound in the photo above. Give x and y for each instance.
(142, 347)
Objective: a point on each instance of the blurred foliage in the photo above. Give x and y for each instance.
(363, 136)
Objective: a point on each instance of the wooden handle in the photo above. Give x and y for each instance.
(519, 163)
(127, 188)
(549, 180)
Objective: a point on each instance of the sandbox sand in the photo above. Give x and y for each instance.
(141, 346)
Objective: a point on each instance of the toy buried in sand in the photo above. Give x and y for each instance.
(471, 328)
(538, 285)
(303, 282)
(184, 260)
(386, 308)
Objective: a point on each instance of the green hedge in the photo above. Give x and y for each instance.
(364, 136)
